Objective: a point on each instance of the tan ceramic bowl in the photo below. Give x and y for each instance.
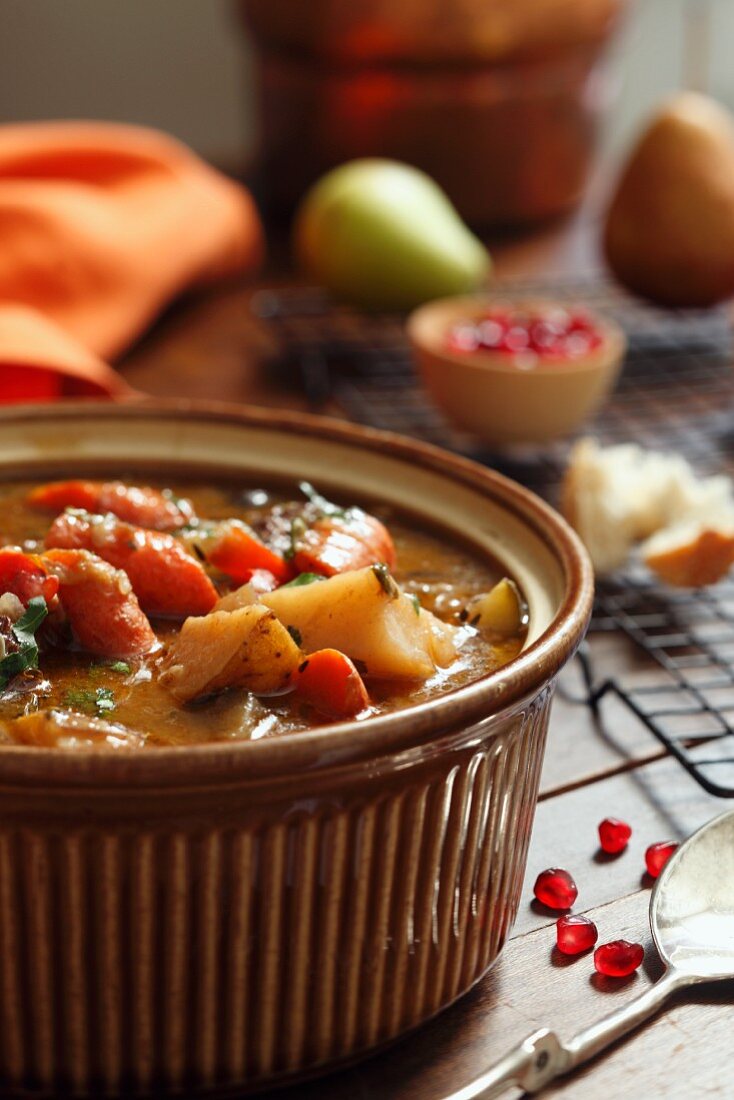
(486, 394)
(223, 916)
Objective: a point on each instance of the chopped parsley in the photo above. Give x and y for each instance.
(101, 667)
(121, 666)
(100, 701)
(23, 634)
(302, 579)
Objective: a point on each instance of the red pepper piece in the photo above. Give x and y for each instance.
(25, 576)
(238, 552)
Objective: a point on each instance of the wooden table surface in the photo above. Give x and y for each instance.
(210, 347)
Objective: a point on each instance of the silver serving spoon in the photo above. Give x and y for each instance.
(692, 922)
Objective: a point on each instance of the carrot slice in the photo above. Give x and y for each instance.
(25, 576)
(145, 507)
(102, 609)
(238, 552)
(330, 683)
(164, 577)
(336, 545)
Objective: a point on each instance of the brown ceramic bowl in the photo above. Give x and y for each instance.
(222, 916)
(488, 394)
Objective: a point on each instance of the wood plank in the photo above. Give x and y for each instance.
(681, 1055)
(659, 800)
(583, 747)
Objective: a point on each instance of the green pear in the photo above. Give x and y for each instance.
(383, 235)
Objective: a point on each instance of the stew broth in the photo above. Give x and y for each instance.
(128, 692)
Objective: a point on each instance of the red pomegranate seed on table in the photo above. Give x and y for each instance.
(614, 835)
(575, 934)
(657, 855)
(618, 958)
(555, 888)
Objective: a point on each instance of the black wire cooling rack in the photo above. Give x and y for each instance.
(676, 393)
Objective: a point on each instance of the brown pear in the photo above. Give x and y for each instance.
(670, 228)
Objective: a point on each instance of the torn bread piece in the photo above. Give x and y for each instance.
(690, 555)
(616, 496)
(621, 496)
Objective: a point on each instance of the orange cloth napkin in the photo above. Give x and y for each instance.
(100, 226)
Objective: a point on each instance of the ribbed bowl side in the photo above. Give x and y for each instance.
(221, 950)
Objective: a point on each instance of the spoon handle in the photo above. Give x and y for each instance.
(541, 1057)
(608, 1030)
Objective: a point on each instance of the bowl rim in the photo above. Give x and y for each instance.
(343, 743)
(610, 351)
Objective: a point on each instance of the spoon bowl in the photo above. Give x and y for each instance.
(692, 904)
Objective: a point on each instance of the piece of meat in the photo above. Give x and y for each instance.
(165, 578)
(102, 609)
(142, 506)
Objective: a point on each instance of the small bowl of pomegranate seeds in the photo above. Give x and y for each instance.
(515, 372)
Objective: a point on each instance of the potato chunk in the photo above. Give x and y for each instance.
(502, 610)
(364, 614)
(245, 648)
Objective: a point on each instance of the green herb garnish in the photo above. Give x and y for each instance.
(100, 701)
(302, 579)
(26, 656)
(295, 635)
(386, 580)
(416, 603)
(122, 667)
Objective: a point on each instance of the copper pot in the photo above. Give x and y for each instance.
(226, 915)
(498, 100)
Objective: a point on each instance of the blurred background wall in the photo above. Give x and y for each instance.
(183, 65)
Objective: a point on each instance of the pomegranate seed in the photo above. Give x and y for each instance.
(544, 336)
(555, 888)
(657, 855)
(618, 958)
(575, 934)
(516, 338)
(579, 321)
(552, 333)
(614, 835)
(491, 333)
(577, 344)
(464, 338)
